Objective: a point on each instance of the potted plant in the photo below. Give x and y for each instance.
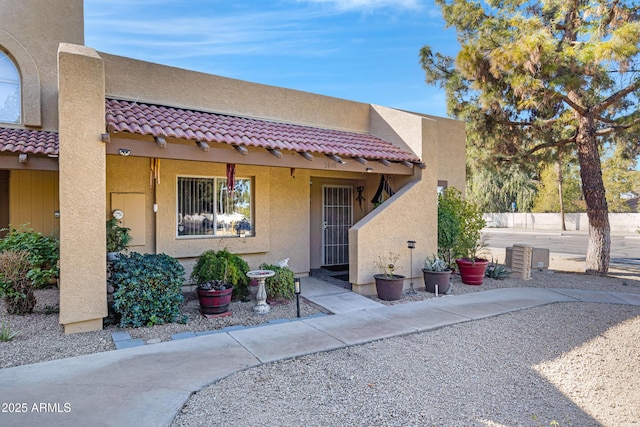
(467, 244)
(214, 297)
(219, 275)
(388, 284)
(436, 272)
(118, 239)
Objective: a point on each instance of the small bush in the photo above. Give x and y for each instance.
(15, 285)
(43, 253)
(148, 289)
(118, 238)
(280, 285)
(6, 334)
(498, 271)
(222, 265)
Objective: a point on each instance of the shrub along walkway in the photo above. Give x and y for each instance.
(148, 385)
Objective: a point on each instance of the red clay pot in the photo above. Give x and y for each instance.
(472, 272)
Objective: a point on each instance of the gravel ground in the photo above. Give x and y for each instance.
(40, 336)
(574, 363)
(568, 364)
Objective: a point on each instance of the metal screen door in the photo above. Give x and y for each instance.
(337, 218)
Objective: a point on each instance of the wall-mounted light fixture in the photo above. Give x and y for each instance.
(368, 170)
(124, 152)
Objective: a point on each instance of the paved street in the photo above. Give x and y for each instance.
(624, 247)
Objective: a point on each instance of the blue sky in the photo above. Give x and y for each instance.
(362, 50)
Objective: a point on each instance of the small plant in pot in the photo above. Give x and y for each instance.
(459, 225)
(118, 239)
(388, 284)
(215, 270)
(437, 274)
(469, 247)
(214, 297)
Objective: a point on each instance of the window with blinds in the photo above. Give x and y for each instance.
(206, 207)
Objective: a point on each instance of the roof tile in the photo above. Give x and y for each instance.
(158, 120)
(28, 141)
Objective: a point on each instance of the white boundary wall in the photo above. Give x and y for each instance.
(620, 222)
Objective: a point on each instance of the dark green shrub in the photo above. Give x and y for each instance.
(43, 252)
(216, 265)
(148, 289)
(15, 285)
(280, 285)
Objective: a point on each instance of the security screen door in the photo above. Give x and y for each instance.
(337, 218)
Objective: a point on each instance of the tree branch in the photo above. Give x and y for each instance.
(613, 129)
(615, 97)
(579, 108)
(560, 143)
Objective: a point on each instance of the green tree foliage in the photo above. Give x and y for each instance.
(494, 190)
(534, 75)
(547, 196)
(620, 179)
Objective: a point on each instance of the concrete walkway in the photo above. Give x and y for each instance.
(148, 385)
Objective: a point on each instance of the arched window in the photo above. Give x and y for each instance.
(9, 91)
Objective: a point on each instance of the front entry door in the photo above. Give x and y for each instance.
(337, 218)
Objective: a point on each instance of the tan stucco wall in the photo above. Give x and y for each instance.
(131, 175)
(83, 297)
(30, 31)
(145, 81)
(281, 215)
(33, 200)
(287, 209)
(451, 153)
(411, 214)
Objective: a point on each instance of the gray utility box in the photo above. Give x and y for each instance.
(539, 259)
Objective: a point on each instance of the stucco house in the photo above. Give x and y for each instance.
(84, 133)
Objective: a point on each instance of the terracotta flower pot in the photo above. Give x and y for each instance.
(433, 278)
(472, 272)
(389, 288)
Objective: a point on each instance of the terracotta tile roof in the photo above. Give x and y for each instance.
(157, 120)
(28, 141)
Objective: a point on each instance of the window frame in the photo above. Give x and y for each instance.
(252, 233)
(5, 81)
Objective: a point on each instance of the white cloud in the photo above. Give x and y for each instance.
(204, 33)
(369, 5)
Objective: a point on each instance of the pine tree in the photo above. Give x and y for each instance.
(535, 75)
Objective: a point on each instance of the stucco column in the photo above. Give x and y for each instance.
(82, 163)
